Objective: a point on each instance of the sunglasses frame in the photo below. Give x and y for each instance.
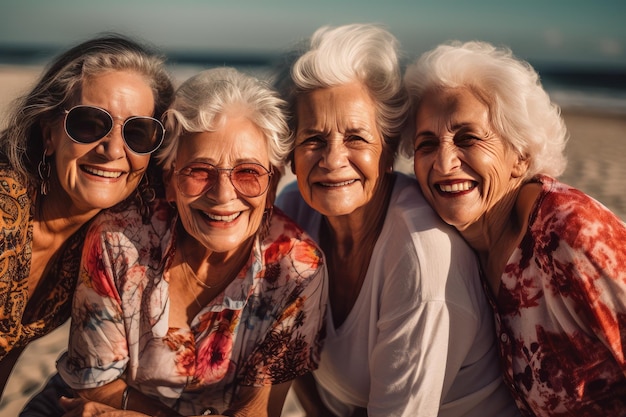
(178, 173)
(131, 118)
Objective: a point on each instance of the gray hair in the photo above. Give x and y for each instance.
(60, 87)
(366, 53)
(210, 93)
(520, 110)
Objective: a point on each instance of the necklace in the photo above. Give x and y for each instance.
(189, 287)
(185, 266)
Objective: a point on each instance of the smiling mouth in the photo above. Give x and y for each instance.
(225, 219)
(336, 184)
(458, 187)
(101, 173)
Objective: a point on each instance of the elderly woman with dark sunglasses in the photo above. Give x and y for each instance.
(216, 302)
(63, 158)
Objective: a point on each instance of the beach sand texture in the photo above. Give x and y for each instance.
(597, 165)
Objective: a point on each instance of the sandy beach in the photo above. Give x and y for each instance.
(597, 166)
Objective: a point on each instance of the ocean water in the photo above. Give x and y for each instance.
(600, 90)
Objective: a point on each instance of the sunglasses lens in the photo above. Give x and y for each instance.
(143, 134)
(87, 124)
(250, 180)
(194, 180)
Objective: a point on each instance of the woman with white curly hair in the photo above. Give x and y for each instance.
(488, 144)
(409, 331)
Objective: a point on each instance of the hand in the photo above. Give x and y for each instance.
(78, 407)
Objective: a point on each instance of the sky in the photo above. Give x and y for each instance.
(570, 32)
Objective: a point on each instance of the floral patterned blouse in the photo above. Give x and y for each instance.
(561, 308)
(23, 320)
(263, 329)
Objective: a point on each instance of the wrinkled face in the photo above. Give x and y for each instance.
(101, 174)
(221, 218)
(463, 166)
(339, 155)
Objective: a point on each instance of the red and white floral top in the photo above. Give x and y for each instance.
(263, 329)
(561, 308)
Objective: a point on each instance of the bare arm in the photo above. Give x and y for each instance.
(265, 401)
(112, 394)
(310, 400)
(107, 400)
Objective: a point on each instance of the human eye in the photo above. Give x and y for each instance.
(312, 142)
(466, 139)
(248, 170)
(199, 173)
(355, 139)
(425, 144)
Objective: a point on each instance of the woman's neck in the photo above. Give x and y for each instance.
(348, 243)
(349, 233)
(55, 221)
(211, 266)
(496, 234)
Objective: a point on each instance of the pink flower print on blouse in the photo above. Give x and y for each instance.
(94, 271)
(215, 351)
(307, 253)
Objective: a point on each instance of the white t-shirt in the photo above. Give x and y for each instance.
(419, 340)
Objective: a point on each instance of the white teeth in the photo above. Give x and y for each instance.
(229, 218)
(457, 187)
(105, 174)
(337, 184)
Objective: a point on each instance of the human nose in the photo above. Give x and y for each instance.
(335, 155)
(223, 190)
(113, 145)
(447, 159)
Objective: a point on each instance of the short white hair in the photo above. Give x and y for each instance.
(334, 56)
(520, 110)
(204, 97)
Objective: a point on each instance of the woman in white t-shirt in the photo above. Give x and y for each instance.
(409, 331)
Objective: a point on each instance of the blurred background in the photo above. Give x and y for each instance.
(578, 47)
(572, 43)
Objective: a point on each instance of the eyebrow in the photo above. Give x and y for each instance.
(454, 128)
(209, 161)
(421, 133)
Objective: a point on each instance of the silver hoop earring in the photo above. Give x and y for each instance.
(44, 174)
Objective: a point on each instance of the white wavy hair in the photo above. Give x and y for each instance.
(205, 96)
(362, 52)
(520, 110)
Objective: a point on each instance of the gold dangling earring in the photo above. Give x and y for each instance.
(44, 174)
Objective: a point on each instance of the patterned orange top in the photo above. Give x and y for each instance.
(23, 320)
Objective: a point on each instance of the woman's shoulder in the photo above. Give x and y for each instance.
(285, 229)
(409, 211)
(407, 196)
(291, 203)
(15, 200)
(415, 238)
(130, 217)
(288, 242)
(561, 204)
(11, 183)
